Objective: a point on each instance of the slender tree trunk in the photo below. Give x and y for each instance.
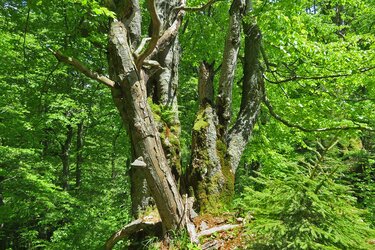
(229, 64)
(3, 235)
(65, 150)
(79, 159)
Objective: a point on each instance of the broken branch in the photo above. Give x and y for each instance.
(216, 229)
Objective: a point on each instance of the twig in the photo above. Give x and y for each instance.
(296, 78)
(195, 9)
(292, 125)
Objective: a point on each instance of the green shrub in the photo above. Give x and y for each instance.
(296, 210)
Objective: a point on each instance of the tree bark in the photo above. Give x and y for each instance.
(229, 64)
(216, 148)
(162, 84)
(252, 94)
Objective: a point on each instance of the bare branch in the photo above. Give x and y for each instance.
(292, 125)
(155, 33)
(296, 78)
(195, 9)
(83, 69)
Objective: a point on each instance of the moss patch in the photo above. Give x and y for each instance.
(200, 122)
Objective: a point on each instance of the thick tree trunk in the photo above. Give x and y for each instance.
(140, 75)
(162, 84)
(130, 98)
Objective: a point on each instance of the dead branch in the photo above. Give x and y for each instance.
(83, 69)
(213, 230)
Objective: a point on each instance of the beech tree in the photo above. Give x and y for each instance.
(138, 74)
(142, 76)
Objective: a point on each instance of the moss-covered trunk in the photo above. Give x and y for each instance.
(217, 147)
(210, 177)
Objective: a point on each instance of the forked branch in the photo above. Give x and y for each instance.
(83, 69)
(168, 35)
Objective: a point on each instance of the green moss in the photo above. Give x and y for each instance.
(200, 121)
(209, 199)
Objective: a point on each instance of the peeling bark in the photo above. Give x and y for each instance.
(165, 83)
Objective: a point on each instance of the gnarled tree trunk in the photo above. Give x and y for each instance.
(144, 72)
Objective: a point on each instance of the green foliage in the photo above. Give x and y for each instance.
(295, 211)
